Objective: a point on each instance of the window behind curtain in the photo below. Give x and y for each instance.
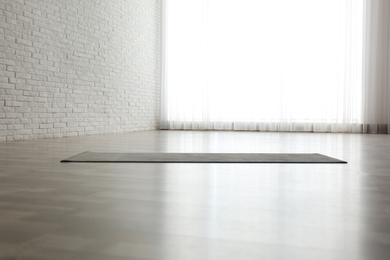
(263, 65)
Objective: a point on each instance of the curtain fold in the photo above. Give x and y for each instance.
(282, 65)
(376, 70)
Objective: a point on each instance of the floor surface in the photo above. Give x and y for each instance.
(183, 211)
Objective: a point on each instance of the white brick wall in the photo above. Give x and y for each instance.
(75, 67)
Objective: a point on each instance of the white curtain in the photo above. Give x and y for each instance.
(281, 65)
(376, 72)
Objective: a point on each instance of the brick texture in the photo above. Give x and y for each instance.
(75, 67)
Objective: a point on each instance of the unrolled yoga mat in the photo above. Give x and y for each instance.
(91, 157)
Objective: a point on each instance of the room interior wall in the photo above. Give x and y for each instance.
(74, 67)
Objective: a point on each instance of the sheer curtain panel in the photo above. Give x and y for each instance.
(281, 65)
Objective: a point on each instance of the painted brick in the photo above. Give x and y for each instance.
(70, 68)
(13, 104)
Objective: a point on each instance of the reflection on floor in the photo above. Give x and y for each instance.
(50, 210)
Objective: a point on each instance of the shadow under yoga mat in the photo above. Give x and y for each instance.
(91, 157)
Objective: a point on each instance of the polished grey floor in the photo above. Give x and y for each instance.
(50, 210)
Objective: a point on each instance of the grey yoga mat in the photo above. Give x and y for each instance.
(92, 157)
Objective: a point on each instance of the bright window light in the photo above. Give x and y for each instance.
(262, 61)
